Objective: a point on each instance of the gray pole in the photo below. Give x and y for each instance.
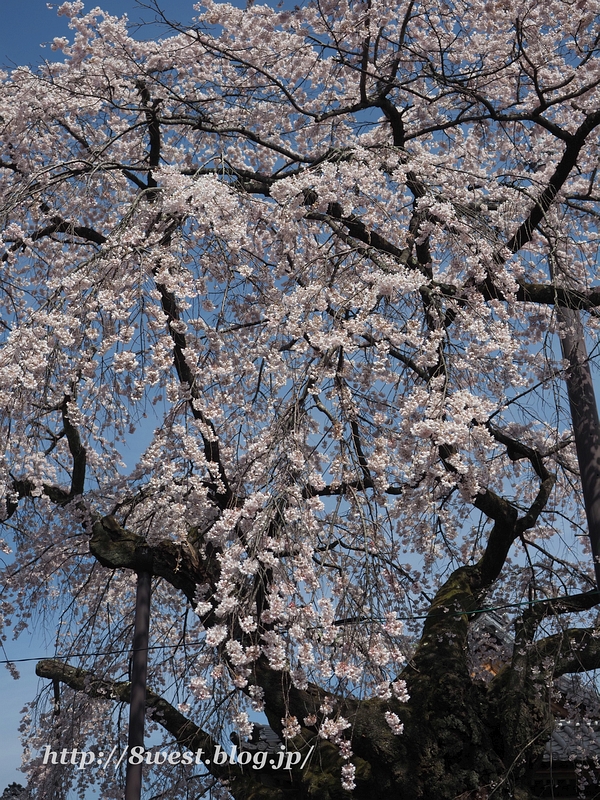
(586, 425)
(139, 670)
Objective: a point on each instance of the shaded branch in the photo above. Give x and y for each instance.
(24, 487)
(395, 353)
(58, 225)
(179, 564)
(517, 450)
(222, 493)
(529, 519)
(266, 783)
(508, 525)
(187, 733)
(342, 488)
(571, 650)
(548, 294)
(563, 605)
(153, 131)
(524, 234)
(502, 536)
(358, 230)
(77, 450)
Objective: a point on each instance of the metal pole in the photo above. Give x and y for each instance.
(139, 670)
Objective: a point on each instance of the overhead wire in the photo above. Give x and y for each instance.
(457, 613)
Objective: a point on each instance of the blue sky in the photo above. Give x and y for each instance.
(25, 25)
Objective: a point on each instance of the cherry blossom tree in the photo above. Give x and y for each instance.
(318, 265)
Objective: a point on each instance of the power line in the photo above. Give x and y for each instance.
(97, 653)
(355, 620)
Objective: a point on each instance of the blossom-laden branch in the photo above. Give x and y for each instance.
(300, 257)
(320, 759)
(185, 732)
(187, 735)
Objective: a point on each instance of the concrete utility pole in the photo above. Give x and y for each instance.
(139, 671)
(584, 416)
